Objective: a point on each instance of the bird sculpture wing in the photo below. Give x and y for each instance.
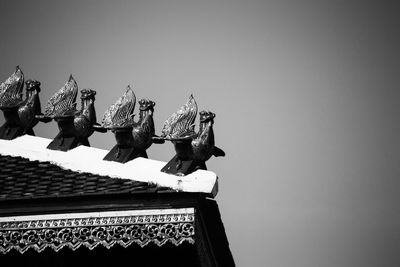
(181, 124)
(62, 103)
(120, 114)
(11, 89)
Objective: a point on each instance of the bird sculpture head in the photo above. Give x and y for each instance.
(145, 104)
(88, 94)
(32, 85)
(206, 116)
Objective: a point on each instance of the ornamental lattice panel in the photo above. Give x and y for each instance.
(97, 228)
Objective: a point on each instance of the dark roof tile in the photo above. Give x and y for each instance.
(21, 178)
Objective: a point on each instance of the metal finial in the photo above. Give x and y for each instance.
(75, 126)
(192, 149)
(133, 138)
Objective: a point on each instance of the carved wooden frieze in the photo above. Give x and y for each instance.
(124, 228)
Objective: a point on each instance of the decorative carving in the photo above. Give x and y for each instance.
(18, 113)
(93, 231)
(192, 149)
(75, 126)
(133, 138)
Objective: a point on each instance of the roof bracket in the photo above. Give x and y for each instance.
(124, 150)
(66, 139)
(183, 163)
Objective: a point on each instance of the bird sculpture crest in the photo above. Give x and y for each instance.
(192, 148)
(133, 137)
(19, 113)
(75, 125)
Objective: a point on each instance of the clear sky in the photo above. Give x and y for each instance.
(306, 95)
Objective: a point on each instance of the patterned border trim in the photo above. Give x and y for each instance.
(92, 229)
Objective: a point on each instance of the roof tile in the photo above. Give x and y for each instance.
(21, 178)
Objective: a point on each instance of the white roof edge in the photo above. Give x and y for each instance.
(98, 214)
(89, 159)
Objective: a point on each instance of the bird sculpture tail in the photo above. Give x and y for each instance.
(120, 114)
(11, 90)
(181, 124)
(62, 103)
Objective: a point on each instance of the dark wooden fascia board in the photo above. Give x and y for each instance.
(211, 236)
(99, 203)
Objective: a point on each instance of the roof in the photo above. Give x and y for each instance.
(29, 170)
(46, 206)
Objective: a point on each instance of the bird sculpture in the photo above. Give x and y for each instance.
(75, 126)
(19, 113)
(133, 138)
(192, 148)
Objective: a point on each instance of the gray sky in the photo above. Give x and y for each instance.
(306, 95)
